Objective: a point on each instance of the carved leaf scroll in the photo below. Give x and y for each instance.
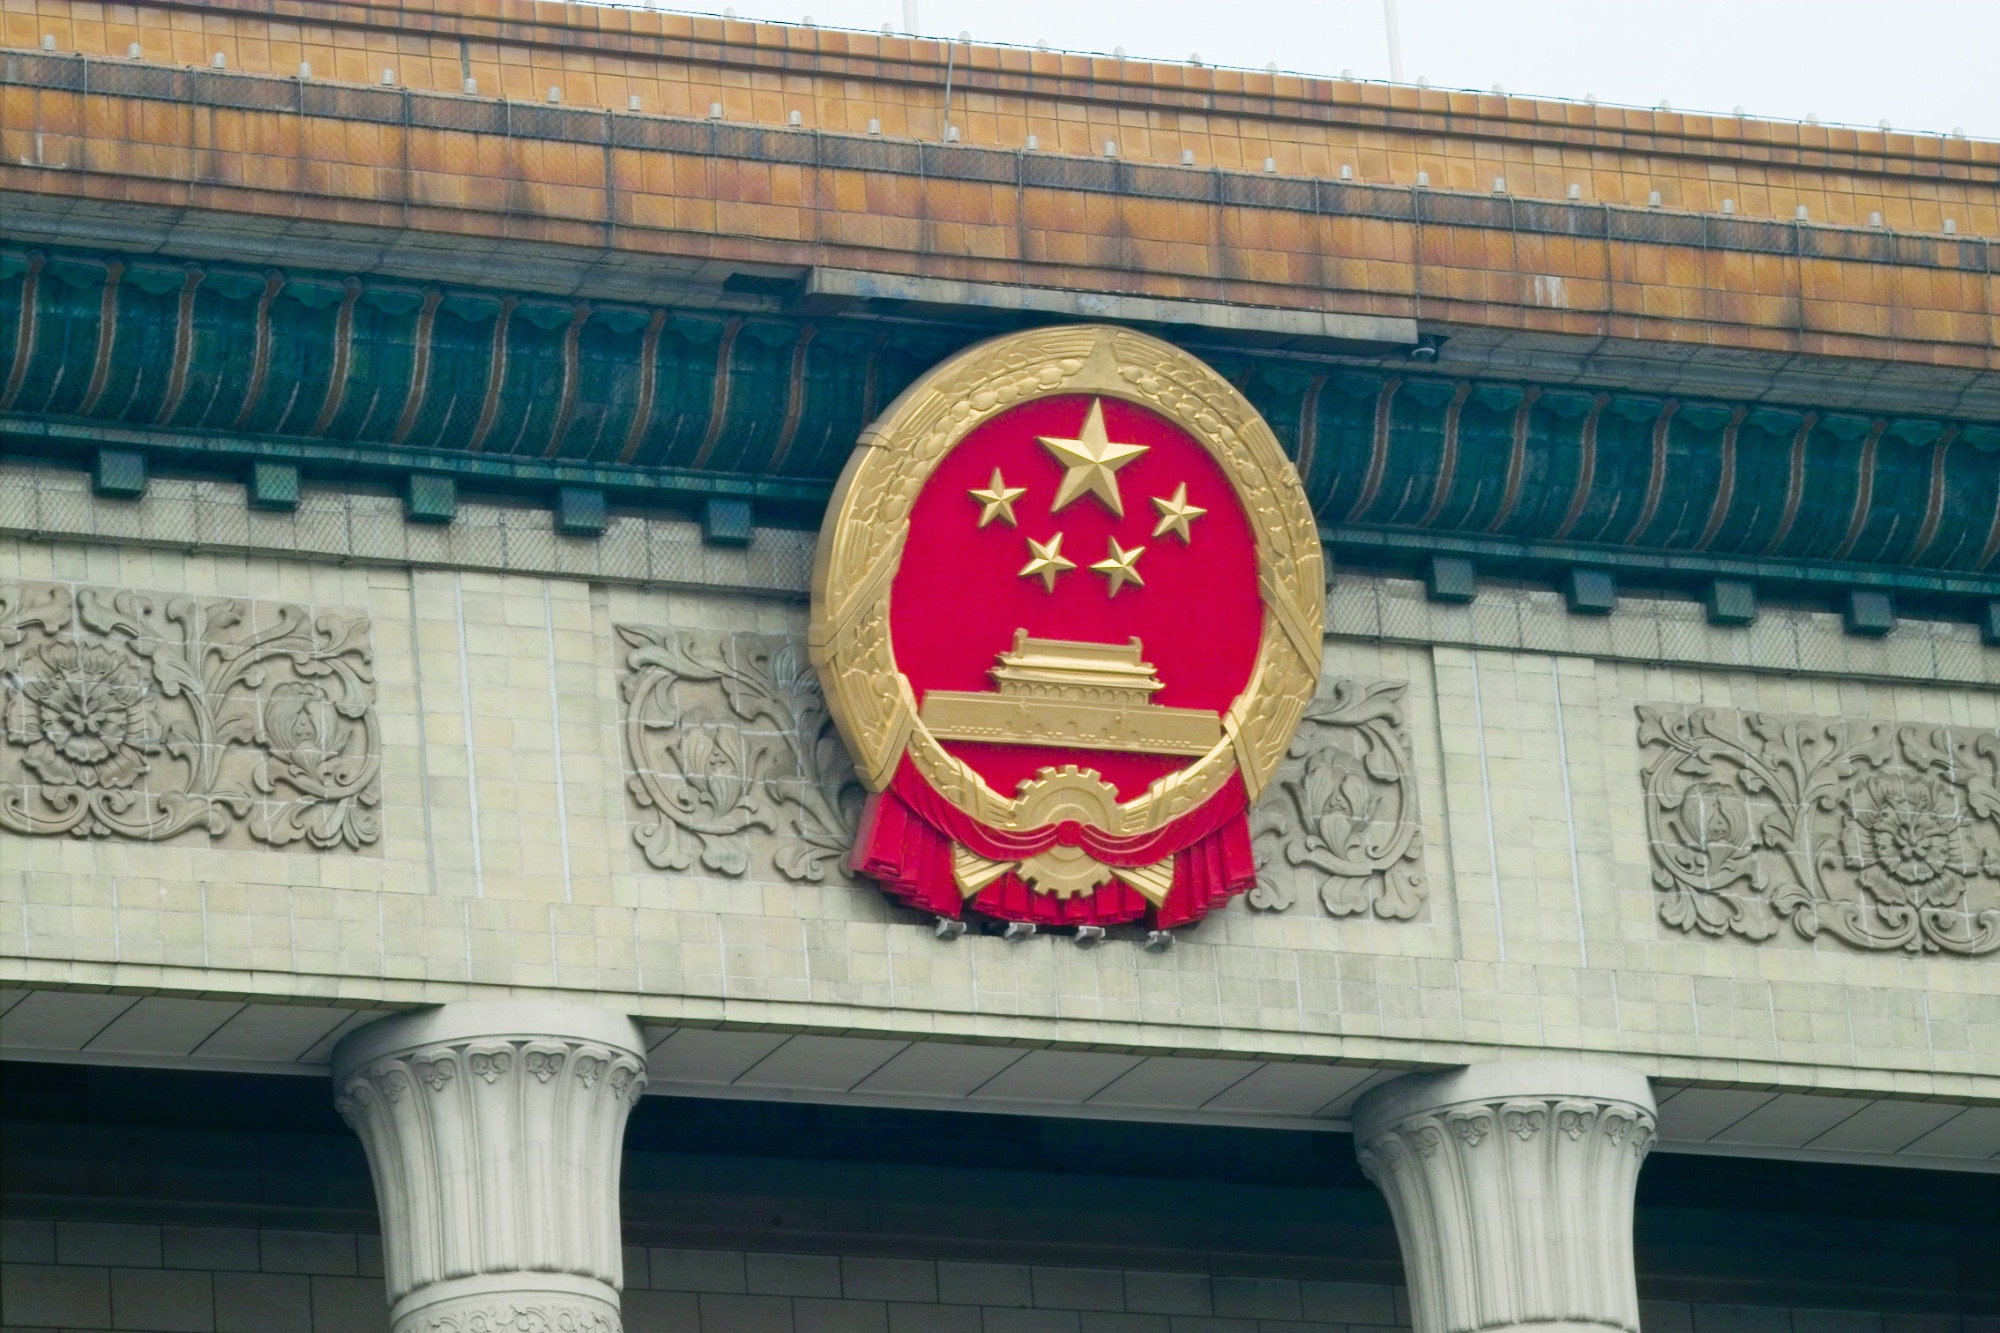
(145, 716)
(1884, 836)
(1340, 820)
(726, 733)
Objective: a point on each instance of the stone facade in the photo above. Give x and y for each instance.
(145, 1278)
(413, 445)
(513, 852)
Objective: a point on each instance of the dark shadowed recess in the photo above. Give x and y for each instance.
(173, 1146)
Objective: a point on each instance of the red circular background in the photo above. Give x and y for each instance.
(958, 595)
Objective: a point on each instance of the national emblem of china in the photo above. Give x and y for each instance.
(1066, 611)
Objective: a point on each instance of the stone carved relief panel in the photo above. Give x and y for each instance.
(727, 736)
(1340, 820)
(149, 715)
(734, 764)
(1881, 835)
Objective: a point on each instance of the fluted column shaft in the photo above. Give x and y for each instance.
(1511, 1186)
(494, 1133)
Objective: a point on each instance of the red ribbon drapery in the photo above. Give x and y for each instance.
(908, 831)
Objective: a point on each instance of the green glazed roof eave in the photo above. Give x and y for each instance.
(353, 375)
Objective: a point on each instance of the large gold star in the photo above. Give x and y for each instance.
(1175, 514)
(1045, 561)
(1092, 459)
(997, 500)
(1120, 567)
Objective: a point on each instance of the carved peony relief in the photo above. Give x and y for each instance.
(726, 733)
(1885, 836)
(141, 715)
(1340, 819)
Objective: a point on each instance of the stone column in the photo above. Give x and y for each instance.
(1511, 1185)
(494, 1133)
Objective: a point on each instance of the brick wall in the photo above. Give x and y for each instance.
(681, 64)
(750, 1292)
(77, 1275)
(267, 169)
(83, 1277)
(242, 177)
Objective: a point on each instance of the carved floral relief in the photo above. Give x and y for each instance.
(727, 738)
(1340, 819)
(726, 733)
(1884, 836)
(142, 715)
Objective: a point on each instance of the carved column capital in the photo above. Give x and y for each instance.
(1511, 1186)
(494, 1133)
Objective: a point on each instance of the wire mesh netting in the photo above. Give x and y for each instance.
(527, 120)
(1346, 199)
(1292, 193)
(1152, 182)
(760, 145)
(1632, 224)
(1875, 245)
(852, 153)
(321, 101)
(155, 82)
(215, 89)
(383, 106)
(662, 135)
(1772, 238)
(1464, 210)
(1558, 219)
(1091, 174)
(951, 162)
(466, 114)
(57, 73)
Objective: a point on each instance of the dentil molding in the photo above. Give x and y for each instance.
(1511, 1186)
(494, 1133)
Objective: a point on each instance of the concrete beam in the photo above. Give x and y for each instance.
(851, 290)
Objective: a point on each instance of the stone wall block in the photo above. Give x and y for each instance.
(493, 1133)
(1511, 1186)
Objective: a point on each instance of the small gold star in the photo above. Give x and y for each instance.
(1046, 561)
(1120, 567)
(1175, 514)
(998, 500)
(1092, 460)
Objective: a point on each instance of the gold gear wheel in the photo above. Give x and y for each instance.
(1057, 794)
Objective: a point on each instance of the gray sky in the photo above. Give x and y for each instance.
(1919, 64)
